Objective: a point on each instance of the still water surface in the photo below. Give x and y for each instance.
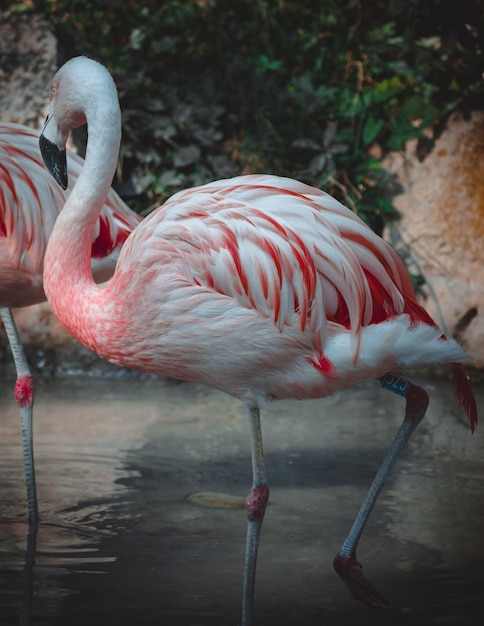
(141, 486)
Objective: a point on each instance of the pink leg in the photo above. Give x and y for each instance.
(24, 394)
(256, 505)
(346, 563)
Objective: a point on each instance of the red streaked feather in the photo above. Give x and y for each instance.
(383, 308)
(417, 312)
(307, 282)
(464, 394)
(271, 220)
(273, 253)
(390, 261)
(109, 237)
(276, 305)
(264, 282)
(233, 247)
(324, 365)
(341, 316)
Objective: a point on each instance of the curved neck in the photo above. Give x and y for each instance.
(68, 282)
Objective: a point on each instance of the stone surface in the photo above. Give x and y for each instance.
(441, 231)
(28, 60)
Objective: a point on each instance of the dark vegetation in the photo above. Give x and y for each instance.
(318, 91)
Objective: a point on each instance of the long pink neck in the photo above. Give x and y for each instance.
(70, 288)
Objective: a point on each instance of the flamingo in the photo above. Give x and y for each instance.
(260, 286)
(30, 201)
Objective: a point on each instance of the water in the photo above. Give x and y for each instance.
(141, 487)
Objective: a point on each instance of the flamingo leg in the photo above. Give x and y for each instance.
(346, 563)
(24, 394)
(25, 616)
(255, 505)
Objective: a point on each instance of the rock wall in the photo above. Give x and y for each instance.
(28, 60)
(441, 230)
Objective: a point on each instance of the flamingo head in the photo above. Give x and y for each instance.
(71, 101)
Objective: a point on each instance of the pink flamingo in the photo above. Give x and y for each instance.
(259, 286)
(29, 204)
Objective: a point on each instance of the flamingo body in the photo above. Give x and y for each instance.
(259, 286)
(30, 202)
(238, 285)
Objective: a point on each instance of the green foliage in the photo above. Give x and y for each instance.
(317, 91)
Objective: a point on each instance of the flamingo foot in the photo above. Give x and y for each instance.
(349, 570)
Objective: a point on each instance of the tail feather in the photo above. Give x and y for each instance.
(464, 394)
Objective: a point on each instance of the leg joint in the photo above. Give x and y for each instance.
(257, 501)
(417, 403)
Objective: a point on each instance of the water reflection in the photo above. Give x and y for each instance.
(125, 537)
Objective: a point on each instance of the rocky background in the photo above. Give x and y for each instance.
(440, 234)
(442, 227)
(28, 60)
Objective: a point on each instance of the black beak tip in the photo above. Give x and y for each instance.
(55, 161)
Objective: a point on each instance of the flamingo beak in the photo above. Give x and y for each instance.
(54, 157)
(55, 161)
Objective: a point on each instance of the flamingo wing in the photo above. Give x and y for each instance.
(286, 250)
(29, 202)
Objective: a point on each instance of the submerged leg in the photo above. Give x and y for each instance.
(256, 505)
(24, 394)
(345, 562)
(25, 616)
